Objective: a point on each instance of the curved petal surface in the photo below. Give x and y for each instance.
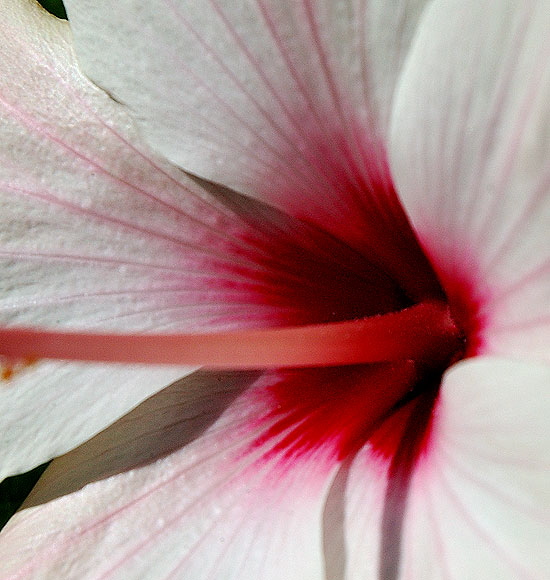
(475, 504)
(470, 156)
(62, 261)
(221, 489)
(285, 101)
(97, 233)
(179, 488)
(276, 441)
(259, 74)
(51, 407)
(479, 501)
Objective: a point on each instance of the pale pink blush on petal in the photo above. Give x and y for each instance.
(479, 499)
(114, 238)
(248, 464)
(306, 135)
(245, 462)
(212, 506)
(476, 183)
(246, 60)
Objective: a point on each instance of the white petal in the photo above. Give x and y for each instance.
(372, 495)
(354, 518)
(52, 407)
(66, 152)
(95, 232)
(478, 506)
(471, 159)
(179, 488)
(283, 100)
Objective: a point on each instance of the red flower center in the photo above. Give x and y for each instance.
(412, 333)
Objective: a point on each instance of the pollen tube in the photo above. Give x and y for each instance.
(425, 333)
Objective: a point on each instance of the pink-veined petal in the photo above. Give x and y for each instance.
(269, 442)
(179, 488)
(207, 77)
(285, 101)
(369, 497)
(60, 263)
(353, 517)
(96, 233)
(478, 504)
(475, 504)
(470, 156)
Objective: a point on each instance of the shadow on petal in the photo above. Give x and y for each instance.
(168, 421)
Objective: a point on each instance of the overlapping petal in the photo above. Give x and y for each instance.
(201, 481)
(97, 233)
(212, 477)
(232, 475)
(285, 101)
(479, 500)
(182, 487)
(470, 156)
(93, 226)
(475, 505)
(65, 181)
(265, 76)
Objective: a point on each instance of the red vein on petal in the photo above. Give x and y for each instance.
(425, 332)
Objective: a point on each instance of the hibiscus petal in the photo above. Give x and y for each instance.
(62, 262)
(479, 500)
(476, 503)
(208, 80)
(270, 442)
(471, 159)
(285, 101)
(179, 488)
(52, 407)
(95, 232)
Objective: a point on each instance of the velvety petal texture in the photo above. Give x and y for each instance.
(95, 230)
(200, 482)
(288, 473)
(239, 93)
(64, 256)
(470, 156)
